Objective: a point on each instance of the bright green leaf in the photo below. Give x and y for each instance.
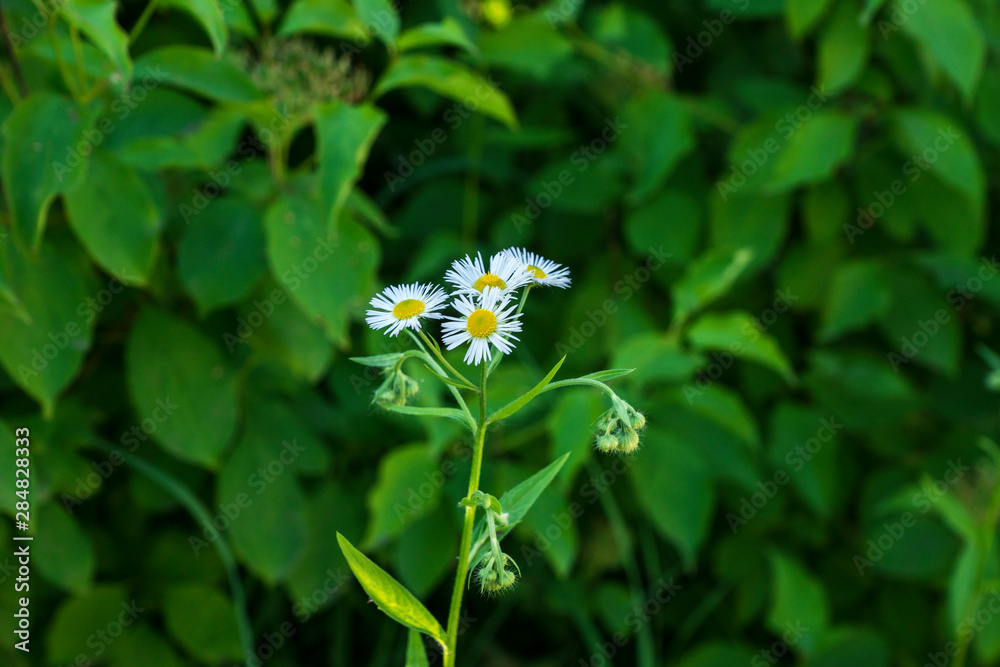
(391, 598)
(449, 79)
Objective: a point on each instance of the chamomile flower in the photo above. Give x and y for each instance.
(469, 276)
(542, 271)
(402, 306)
(491, 320)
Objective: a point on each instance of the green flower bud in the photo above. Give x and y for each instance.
(629, 440)
(497, 577)
(607, 443)
(638, 420)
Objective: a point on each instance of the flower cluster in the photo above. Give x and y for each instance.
(483, 297)
(618, 428)
(495, 571)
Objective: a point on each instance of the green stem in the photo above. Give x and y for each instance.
(201, 514)
(64, 71)
(619, 532)
(444, 362)
(140, 24)
(81, 69)
(436, 368)
(470, 519)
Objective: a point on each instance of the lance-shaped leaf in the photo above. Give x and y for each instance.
(416, 656)
(517, 501)
(450, 413)
(96, 20)
(445, 77)
(515, 405)
(389, 595)
(610, 374)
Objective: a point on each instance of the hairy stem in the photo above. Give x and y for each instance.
(470, 519)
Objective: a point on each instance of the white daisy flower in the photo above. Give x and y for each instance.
(542, 271)
(489, 321)
(401, 306)
(469, 276)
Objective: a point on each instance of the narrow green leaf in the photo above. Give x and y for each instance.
(610, 374)
(519, 499)
(951, 35)
(389, 595)
(209, 15)
(382, 360)
(379, 16)
(96, 20)
(416, 655)
(332, 18)
(515, 405)
(450, 79)
(199, 71)
(446, 33)
(737, 333)
(450, 413)
(447, 380)
(842, 49)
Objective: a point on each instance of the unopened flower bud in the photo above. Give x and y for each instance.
(607, 443)
(494, 577)
(629, 441)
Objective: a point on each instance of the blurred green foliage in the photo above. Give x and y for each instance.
(776, 211)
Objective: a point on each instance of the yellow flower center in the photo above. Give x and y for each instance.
(537, 271)
(489, 280)
(481, 323)
(408, 308)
